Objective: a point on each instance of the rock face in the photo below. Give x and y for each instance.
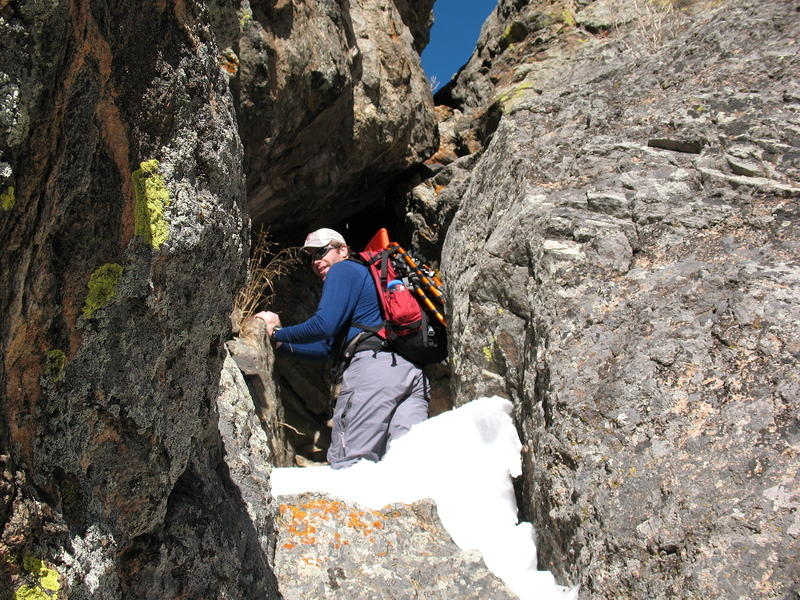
(122, 191)
(615, 200)
(624, 265)
(332, 103)
(124, 239)
(218, 536)
(124, 236)
(329, 549)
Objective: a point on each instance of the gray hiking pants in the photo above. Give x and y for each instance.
(381, 397)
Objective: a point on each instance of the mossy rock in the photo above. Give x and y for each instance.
(508, 100)
(515, 32)
(55, 363)
(102, 288)
(8, 198)
(152, 198)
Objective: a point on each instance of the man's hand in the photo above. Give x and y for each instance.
(271, 319)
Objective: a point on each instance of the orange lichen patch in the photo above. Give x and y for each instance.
(359, 520)
(321, 508)
(299, 520)
(356, 521)
(298, 525)
(438, 188)
(229, 67)
(288, 545)
(443, 156)
(310, 560)
(303, 536)
(229, 62)
(294, 512)
(328, 509)
(338, 542)
(443, 112)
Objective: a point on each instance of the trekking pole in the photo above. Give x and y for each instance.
(419, 281)
(424, 280)
(429, 305)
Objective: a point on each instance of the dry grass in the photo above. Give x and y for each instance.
(655, 25)
(266, 264)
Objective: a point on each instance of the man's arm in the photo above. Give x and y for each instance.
(311, 350)
(313, 338)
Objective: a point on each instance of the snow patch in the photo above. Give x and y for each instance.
(464, 460)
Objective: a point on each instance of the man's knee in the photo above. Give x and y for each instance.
(411, 411)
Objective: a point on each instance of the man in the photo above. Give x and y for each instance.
(382, 394)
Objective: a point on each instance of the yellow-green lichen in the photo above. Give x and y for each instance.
(8, 198)
(46, 581)
(27, 592)
(568, 17)
(515, 32)
(56, 360)
(245, 17)
(487, 353)
(509, 99)
(152, 197)
(102, 288)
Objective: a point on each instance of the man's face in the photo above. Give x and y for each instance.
(322, 259)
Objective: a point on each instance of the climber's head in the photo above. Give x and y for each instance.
(325, 248)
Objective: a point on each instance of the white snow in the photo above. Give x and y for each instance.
(464, 460)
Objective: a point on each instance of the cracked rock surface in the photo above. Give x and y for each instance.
(330, 549)
(623, 264)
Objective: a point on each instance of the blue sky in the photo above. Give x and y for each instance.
(453, 36)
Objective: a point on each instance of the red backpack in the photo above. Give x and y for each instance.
(413, 326)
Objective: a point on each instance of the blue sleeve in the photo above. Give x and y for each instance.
(310, 351)
(314, 337)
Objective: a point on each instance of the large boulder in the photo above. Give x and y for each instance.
(218, 535)
(624, 265)
(124, 238)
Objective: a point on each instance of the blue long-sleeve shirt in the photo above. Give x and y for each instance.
(348, 296)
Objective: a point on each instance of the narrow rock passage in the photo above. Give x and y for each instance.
(462, 460)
